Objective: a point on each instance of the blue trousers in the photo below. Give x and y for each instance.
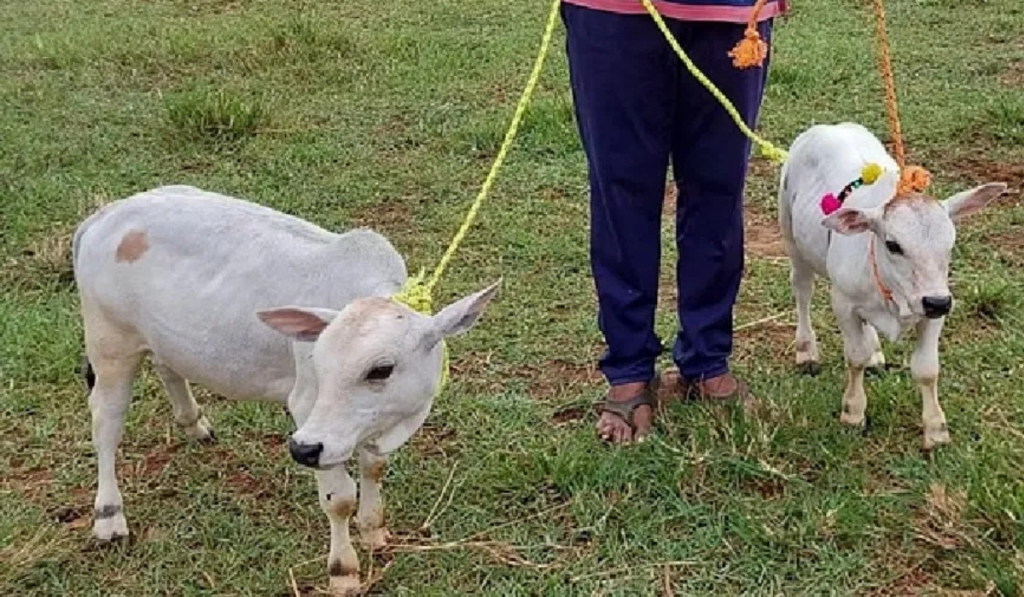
(639, 110)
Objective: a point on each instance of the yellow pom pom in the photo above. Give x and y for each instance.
(871, 173)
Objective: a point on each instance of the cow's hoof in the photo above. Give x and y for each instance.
(202, 431)
(853, 420)
(345, 586)
(374, 539)
(108, 530)
(935, 437)
(810, 368)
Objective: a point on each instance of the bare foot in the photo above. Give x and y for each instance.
(614, 424)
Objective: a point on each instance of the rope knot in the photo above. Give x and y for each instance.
(750, 51)
(913, 179)
(415, 294)
(773, 153)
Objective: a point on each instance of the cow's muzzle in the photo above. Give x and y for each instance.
(937, 306)
(306, 454)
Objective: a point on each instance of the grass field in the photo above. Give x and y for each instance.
(388, 115)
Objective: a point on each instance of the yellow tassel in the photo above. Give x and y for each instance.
(913, 179)
(750, 51)
(871, 173)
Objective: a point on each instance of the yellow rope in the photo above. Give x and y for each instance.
(417, 293)
(768, 150)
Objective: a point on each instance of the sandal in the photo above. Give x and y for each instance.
(684, 389)
(624, 409)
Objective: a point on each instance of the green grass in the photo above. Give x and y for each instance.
(387, 115)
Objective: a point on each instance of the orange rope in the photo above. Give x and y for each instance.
(751, 50)
(913, 179)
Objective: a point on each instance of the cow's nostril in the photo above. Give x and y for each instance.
(305, 454)
(937, 306)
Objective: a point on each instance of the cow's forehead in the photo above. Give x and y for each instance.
(371, 316)
(920, 218)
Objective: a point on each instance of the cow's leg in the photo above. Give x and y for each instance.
(370, 517)
(187, 413)
(877, 361)
(114, 355)
(924, 366)
(858, 349)
(338, 500)
(802, 280)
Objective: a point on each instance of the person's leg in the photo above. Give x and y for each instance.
(623, 83)
(710, 157)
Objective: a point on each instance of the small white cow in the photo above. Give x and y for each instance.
(256, 304)
(887, 259)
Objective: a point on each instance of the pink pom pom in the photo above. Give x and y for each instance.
(829, 204)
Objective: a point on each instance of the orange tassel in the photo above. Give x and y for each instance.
(914, 179)
(751, 50)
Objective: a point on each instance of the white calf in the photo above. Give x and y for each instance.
(888, 281)
(188, 276)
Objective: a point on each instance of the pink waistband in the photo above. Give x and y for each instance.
(686, 12)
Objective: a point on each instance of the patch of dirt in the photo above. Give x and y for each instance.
(570, 414)
(912, 583)
(557, 377)
(763, 237)
(395, 215)
(244, 483)
(978, 169)
(769, 488)
(1013, 76)
(669, 207)
(33, 483)
(435, 441)
(1008, 246)
(758, 341)
(939, 520)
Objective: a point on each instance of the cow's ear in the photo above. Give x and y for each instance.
(851, 220)
(973, 200)
(298, 323)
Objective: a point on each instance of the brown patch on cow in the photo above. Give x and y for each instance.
(132, 247)
(336, 568)
(803, 345)
(376, 470)
(342, 508)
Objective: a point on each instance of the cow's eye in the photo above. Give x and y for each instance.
(380, 373)
(893, 247)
